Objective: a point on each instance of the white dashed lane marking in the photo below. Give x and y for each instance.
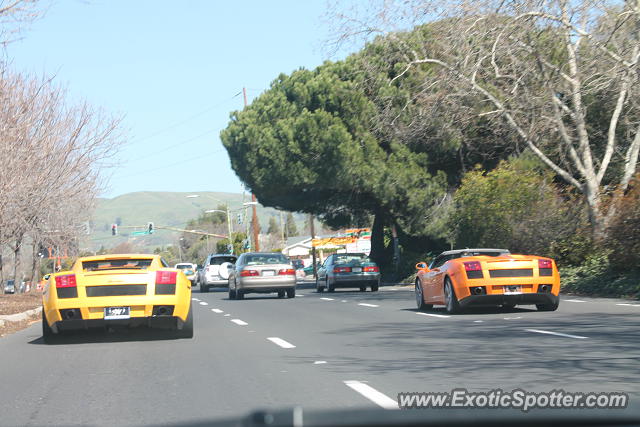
(364, 304)
(239, 322)
(558, 334)
(195, 299)
(629, 305)
(282, 343)
(572, 300)
(320, 362)
(326, 299)
(433, 315)
(372, 394)
(217, 310)
(204, 303)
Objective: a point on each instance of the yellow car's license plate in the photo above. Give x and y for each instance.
(111, 313)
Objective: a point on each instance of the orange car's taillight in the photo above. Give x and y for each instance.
(66, 281)
(473, 269)
(545, 263)
(166, 277)
(287, 272)
(342, 269)
(472, 266)
(545, 267)
(371, 269)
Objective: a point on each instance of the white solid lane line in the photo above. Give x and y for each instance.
(572, 300)
(217, 310)
(326, 299)
(372, 394)
(204, 303)
(282, 343)
(364, 304)
(433, 315)
(239, 322)
(540, 331)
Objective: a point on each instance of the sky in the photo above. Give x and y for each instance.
(174, 71)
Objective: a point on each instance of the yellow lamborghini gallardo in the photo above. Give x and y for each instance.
(117, 290)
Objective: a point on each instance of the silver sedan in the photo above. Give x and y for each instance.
(262, 272)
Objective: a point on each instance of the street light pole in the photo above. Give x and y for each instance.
(254, 218)
(231, 248)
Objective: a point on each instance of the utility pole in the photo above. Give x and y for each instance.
(313, 248)
(284, 242)
(254, 218)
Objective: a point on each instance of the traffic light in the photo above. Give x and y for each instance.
(114, 229)
(150, 227)
(240, 218)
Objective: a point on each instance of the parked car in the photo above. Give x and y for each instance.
(215, 271)
(189, 270)
(10, 286)
(262, 272)
(348, 270)
(467, 277)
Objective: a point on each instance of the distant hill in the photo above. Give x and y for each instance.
(163, 209)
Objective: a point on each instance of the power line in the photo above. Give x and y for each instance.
(181, 122)
(172, 164)
(165, 149)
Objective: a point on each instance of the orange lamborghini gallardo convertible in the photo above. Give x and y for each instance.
(470, 277)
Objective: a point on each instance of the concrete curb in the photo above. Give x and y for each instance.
(19, 316)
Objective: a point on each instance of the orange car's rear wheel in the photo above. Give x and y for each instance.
(450, 299)
(548, 307)
(420, 297)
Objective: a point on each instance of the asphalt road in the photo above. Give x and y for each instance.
(322, 351)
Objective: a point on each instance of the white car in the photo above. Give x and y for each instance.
(188, 269)
(215, 271)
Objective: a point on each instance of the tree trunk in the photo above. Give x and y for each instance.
(377, 240)
(16, 260)
(594, 209)
(35, 266)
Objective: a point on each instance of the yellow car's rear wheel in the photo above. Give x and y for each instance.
(187, 327)
(48, 336)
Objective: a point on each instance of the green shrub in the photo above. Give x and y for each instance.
(597, 277)
(518, 207)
